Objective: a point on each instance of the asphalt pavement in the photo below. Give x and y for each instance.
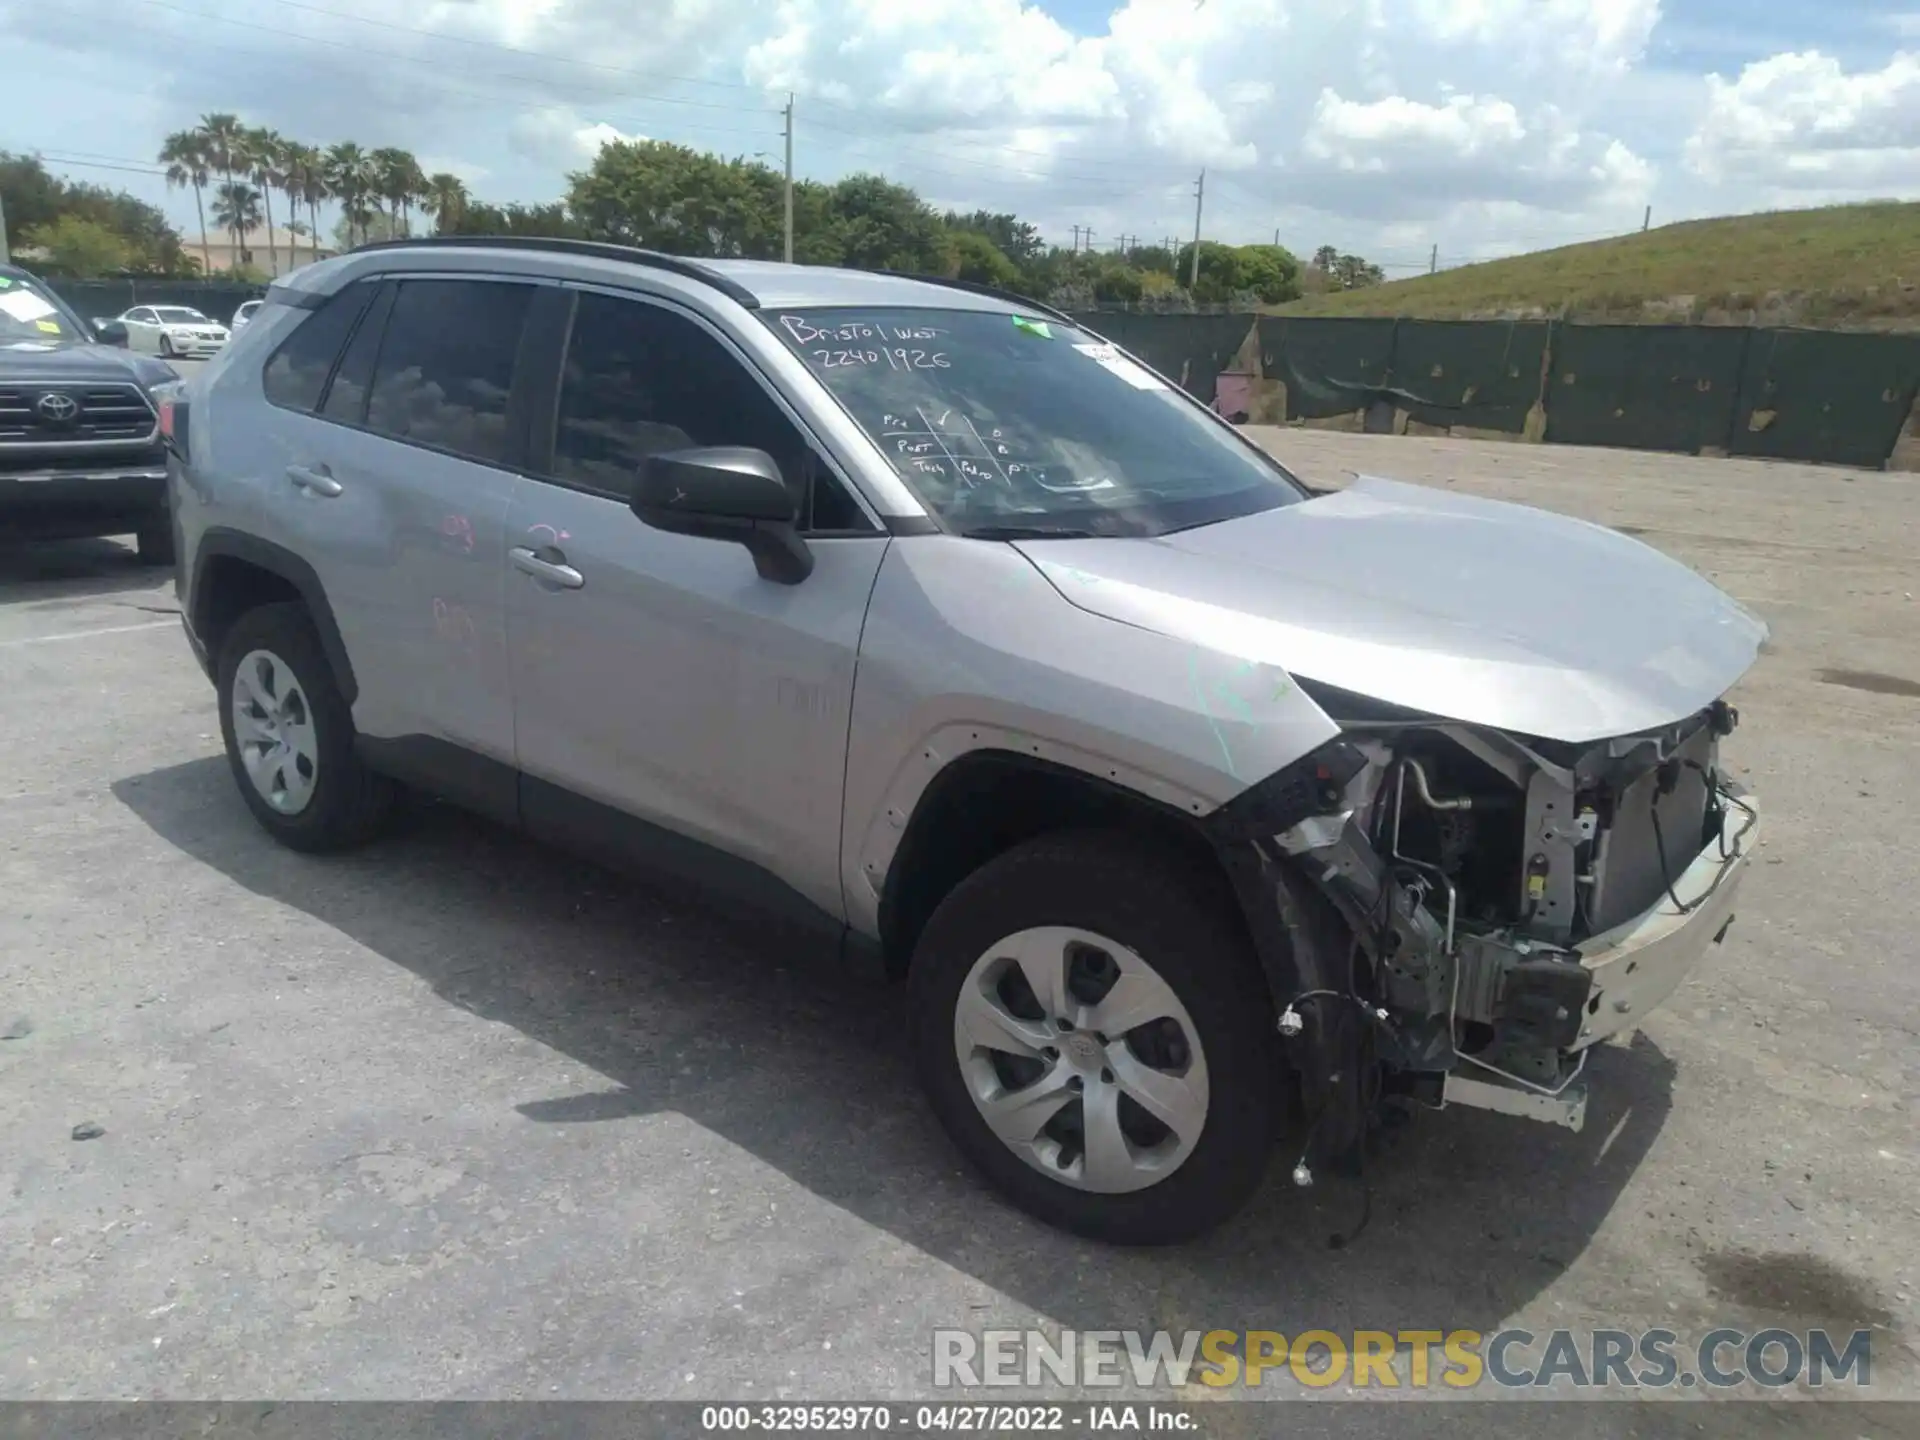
(457, 1117)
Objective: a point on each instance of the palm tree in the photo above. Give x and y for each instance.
(311, 169)
(220, 137)
(267, 151)
(186, 161)
(289, 174)
(396, 179)
(236, 207)
(446, 200)
(349, 175)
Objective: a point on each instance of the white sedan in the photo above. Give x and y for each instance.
(172, 330)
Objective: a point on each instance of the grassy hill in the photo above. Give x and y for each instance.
(1844, 265)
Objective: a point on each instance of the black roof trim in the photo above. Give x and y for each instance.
(974, 287)
(632, 255)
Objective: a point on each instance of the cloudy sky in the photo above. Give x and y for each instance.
(1383, 126)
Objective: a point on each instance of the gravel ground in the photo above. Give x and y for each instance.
(457, 1117)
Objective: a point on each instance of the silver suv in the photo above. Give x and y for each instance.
(1196, 808)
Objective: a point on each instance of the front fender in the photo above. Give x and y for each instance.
(967, 648)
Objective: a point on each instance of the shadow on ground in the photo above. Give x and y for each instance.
(53, 574)
(1472, 1214)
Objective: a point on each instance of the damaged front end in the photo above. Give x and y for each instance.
(1452, 914)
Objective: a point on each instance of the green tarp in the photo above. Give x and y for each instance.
(1825, 396)
(1644, 387)
(1485, 374)
(1330, 367)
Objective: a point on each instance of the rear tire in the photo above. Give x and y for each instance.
(290, 738)
(1155, 919)
(155, 542)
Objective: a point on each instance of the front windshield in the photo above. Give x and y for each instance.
(180, 315)
(31, 319)
(1009, 425)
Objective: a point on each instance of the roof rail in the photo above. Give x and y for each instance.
(632, 254)
(1031, 305)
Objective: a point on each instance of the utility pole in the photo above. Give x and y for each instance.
(1076, 239)
(789, 197)
(1276, 237)
(1433, 260)
(3, 230)
(1199, 199)
(1646, 220)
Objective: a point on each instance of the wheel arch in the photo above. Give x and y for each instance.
(986, 801)
(234, 572)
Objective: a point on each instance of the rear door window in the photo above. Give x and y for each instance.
(297, 372)
(445, 368)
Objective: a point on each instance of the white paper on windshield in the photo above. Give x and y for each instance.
(25, 305)
(1110, 359)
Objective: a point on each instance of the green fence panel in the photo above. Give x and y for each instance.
(107, 298)
(1480, 373)
(1330, 367)
(1644, 387)
(1823, 395)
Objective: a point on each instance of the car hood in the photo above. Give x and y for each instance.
(78, 364)
(1459, 607)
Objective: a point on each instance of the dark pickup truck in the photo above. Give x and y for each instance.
(81, 452)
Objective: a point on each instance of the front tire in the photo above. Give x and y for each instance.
(1095, 1034)
(289, 735)
(166, 347)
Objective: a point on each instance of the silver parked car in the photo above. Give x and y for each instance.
(246, 311)
(1194, 806)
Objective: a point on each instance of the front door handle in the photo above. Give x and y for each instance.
(548, 564)
(314, 480)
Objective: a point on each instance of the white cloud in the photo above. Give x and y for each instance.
(1801, 121)
(559, 136)
(1479, 125)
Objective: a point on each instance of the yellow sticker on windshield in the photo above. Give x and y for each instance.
(47, 327)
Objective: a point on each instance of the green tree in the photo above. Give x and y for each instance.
(683, 201)
(350, 180)
(79, 247)
(265, 152)
(396, 179)
(973, 257)
(236, 209)
(221, 139)
(184, 153)
(446, 200)
(1269, 273)
(1326, 258)
(306, 182)
(1354, 273)
(1011, 236)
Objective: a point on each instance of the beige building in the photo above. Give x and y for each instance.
(287, 251)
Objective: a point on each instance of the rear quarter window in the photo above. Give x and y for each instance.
(297, 371)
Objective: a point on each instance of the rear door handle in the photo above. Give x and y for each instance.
(550, 567)
(315, 479)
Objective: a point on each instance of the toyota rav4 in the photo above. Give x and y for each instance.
(1196, 807)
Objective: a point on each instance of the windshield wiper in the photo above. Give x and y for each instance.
(1028, 532)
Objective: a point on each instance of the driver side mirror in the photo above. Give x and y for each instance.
(111, 333)
(726, 492)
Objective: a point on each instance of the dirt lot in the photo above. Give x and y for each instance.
(456, 1117)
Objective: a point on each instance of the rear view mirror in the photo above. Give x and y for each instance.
(726, 492)
(112, 333)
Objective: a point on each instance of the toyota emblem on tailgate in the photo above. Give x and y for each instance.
(57, 408)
